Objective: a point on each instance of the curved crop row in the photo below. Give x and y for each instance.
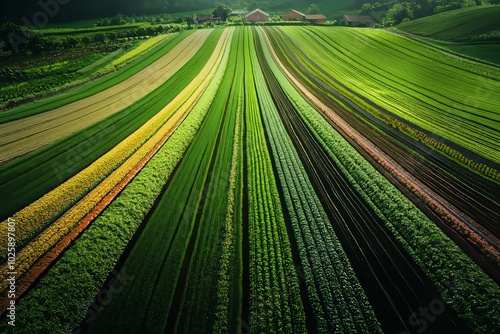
(166, 244)
(36, 216)
(30, 133)
(157, 129)
(93, 87)
(275, 305)
(143, 47)
(335, 294)
(441, 260)
(228, 301)
(443, 99)
(470, 193)
(219, 223)
(69, 287)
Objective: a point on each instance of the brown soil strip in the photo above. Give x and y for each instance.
(44, 263)
(467, 239)
(25, 135)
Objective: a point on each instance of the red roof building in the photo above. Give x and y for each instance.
(316, 18)
(256, 15)
(293, 15)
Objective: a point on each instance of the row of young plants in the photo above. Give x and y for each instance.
(336, 297)
(463, 285)
(219, 219)
(275, 301)
(43, 171)
(141, 48)
(228, 305)
(443, 99)
(162, 254)
(30, 133)
(60, 301)
(94, 86)
(470, 193)
(425, 103)
(141, 143)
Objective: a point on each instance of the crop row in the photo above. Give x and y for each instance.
(71, 285)
(437, 99)
(36, 216)
(93, 87)
(335, 294)
(398, 111)
(30, 133)
(440, 259)
(169, 239)
(143, 47)
(156, 130)
(214, 260)
(30, 177)
(469, 192)
(275, 304)
(229, 289)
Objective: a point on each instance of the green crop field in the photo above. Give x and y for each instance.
(471, 31)
(295, 179)
(467, 24)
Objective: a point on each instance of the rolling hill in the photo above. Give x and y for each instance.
(479, 23)
(473, 32)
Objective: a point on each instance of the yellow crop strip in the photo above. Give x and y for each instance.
(146, 45)
(167, 120)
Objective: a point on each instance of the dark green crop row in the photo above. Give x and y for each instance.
(439, 257)
(31, 176)
(214, 260)
(275, 303)
(337, 299)
(173, 235)
(453, 99)
(59, 303)
(94, 86)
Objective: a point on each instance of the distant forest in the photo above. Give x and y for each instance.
(388, 12)
(71, 10)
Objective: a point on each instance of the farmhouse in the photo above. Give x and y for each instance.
(356, 20)
(293, 15)
(256, 15)
(316, 18)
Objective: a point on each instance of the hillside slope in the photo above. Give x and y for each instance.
(480, 23)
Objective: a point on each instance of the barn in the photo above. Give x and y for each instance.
(316, 18)
(356, 20)
(256, 15)
(293, 15)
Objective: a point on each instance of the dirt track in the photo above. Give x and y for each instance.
(28, 134)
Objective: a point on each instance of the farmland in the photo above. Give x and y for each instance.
(471, 31)
(259, 180)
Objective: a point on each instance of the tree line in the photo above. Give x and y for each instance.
(19, 39)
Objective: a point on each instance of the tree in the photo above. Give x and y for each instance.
(37, 44)
(313, 9)
(15, 37)
(99, 38)
(117, 20)
(222, 11)
(399, 11)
